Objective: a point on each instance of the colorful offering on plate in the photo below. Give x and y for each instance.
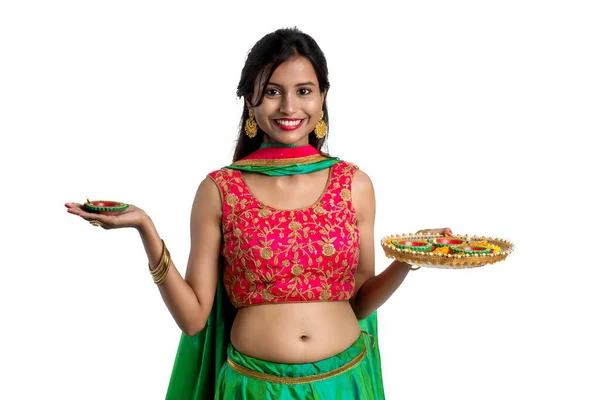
(442, 250)
(471, 250)
(494, 248)
(105, 206)
(446, 241)
(414, 245)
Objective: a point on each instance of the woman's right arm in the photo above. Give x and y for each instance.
(190, 300)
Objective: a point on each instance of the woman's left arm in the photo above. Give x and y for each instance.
(371, 290)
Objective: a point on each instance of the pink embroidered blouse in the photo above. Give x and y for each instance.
(286, 256)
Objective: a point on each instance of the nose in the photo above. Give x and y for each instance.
(289, 103)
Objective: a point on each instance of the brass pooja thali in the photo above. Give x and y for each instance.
(438, 251)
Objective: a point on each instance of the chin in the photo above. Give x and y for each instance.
(289, 139)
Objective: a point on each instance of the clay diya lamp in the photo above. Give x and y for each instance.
(414, 245)
(446, 242)
(471, 250)
(107, 207)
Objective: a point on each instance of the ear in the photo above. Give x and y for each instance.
(247, 101)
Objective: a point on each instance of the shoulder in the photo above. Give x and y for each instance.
(360, 179)
(213, 185)
(346, 167)
(222, 173)
(362, 192)
(223, 178)
(207, 201)
(209, 188)
(362, 184)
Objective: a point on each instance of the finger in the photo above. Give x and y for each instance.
(92, 217)
(100, 220)
(437, 231)
(73, 207)
(74, 210)
(88, 216)
(428, 232)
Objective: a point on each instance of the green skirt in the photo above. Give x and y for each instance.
(351, 374)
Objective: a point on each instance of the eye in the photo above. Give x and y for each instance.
(304, 91)
(272, 92)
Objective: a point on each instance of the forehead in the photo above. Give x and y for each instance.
(293, 71)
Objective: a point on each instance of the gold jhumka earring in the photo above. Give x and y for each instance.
(321, 128)
(250, 127)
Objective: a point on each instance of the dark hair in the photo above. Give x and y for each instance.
(266, 55)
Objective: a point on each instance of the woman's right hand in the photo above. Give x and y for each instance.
(131, 217)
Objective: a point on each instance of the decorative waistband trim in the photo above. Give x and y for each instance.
(293, 380)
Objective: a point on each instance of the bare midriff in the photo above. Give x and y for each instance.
(295, 333)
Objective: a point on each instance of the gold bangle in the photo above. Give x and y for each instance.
(162, 270)
(159, 274)
(161, 263)
(161, 278)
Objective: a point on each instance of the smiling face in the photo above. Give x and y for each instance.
(292, 104)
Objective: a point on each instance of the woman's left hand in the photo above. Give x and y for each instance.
(438, 231)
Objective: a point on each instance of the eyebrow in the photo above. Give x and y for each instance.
(309, 83)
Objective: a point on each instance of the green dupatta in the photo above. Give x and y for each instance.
(199, 358)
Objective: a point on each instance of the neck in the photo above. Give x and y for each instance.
(267, 144)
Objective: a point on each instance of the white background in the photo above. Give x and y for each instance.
(477, 115)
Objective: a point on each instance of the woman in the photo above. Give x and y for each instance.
(287, 232)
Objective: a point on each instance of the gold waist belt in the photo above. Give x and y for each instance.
(300, 379)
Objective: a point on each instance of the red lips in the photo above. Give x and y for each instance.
(288, 127)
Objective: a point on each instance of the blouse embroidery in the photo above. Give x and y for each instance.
(284, 256)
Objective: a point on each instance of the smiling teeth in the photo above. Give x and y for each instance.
(288, 123)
